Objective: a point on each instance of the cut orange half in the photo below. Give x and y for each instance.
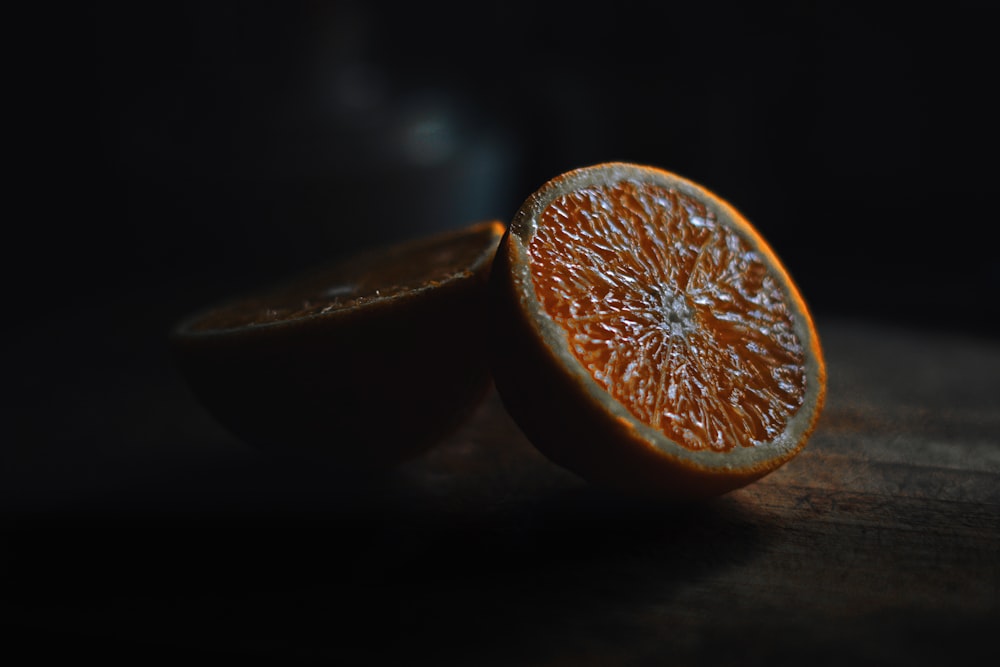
(648, 338)
(363, 363)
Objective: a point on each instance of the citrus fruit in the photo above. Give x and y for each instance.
(362, 363)
(647, 337)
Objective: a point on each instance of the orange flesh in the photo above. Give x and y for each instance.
(671, 312)
(376, 275)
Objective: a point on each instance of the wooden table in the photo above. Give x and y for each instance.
(879, 544)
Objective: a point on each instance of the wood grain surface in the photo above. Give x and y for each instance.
(878, 544)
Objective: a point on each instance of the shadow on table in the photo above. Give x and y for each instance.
(380, 573)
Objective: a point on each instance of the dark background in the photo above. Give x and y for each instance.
(188, 151)
(238, 143)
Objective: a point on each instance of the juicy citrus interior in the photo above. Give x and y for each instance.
(674, 314)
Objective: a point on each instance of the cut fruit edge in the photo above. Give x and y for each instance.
(747, 462)
(490, 231)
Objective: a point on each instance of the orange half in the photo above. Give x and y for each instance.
(361, 363)
(649, 338)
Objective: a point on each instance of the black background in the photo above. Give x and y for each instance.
(238, 143)
(187, 151)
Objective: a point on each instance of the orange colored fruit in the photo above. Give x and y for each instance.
(363, 363)
(648, 338)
